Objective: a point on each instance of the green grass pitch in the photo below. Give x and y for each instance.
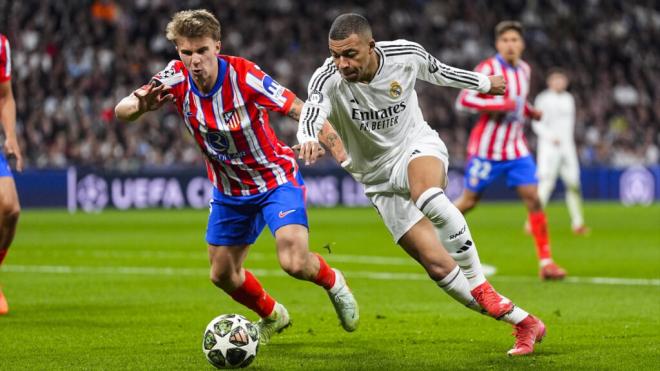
(129, 290)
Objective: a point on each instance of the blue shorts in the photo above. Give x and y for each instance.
(5, 170)
(480, 173)
(239, 220)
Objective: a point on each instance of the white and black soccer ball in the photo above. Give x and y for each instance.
(230, 341)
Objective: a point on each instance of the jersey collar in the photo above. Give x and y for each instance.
(504, 63)
(381, 61)
(222, 69)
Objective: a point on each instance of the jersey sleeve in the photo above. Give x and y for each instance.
(5, 59)
(173, 76)
(317, 107)
(431, 70)
(267, 92)
(474, 101)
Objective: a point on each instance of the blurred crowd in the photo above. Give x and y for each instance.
(73, 60)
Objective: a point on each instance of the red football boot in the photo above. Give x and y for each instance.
(528, 332)
(552, 271)
(495, 304)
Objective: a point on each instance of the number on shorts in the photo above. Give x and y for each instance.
(480, 169)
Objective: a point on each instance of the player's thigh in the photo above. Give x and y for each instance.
(228, 258)
(397, 211)
(570, 170)
(425, 172)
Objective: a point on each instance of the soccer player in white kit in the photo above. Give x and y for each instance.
(367, 92)
(556, 153)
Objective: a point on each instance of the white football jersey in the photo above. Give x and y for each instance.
(558, 120)
(376, 120)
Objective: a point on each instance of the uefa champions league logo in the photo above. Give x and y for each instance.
(92, 193)
(637, 186)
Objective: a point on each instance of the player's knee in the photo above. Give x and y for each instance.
(10, 213)
(294, 265)
(226, 279)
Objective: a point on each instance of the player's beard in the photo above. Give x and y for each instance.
(351, 75)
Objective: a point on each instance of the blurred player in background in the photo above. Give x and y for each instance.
(497, 146)
(556, 154)
(9, 207)
(223, 101)
(367, 91)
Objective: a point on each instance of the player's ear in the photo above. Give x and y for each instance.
(372, 45)
(218, 44)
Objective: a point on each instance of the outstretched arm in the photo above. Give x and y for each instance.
(147, 98)
(328, 136)
(8, 119)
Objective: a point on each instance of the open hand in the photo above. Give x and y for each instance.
(152, 97)
(13, 151)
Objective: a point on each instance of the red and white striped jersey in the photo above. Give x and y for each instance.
(230, 125)
(5, 59)
(498, 134)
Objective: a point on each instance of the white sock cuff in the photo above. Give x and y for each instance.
(427, 196)
(448, 279)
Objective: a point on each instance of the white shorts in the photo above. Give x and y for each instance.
(392, 198)
(553, 162)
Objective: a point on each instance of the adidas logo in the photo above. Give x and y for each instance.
(465, 247)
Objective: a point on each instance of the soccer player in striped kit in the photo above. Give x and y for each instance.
(9, 206)
(556, 154)
(367, 91)
(497, 146)
(223, 101)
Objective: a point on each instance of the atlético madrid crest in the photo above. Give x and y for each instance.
(395, 89)
(232, 118)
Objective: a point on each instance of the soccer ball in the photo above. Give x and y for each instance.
(230, 341)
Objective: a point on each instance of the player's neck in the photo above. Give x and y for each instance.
(374, 62)
(512, 62)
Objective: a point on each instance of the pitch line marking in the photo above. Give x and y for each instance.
(388, 276)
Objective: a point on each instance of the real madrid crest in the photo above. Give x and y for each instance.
(395, 89)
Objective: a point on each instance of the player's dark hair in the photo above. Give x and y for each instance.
(505, 26)
(193, 23)
(347, 24)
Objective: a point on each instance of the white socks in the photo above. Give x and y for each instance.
(456, 285)
(516, 316)
(574, 203)
(453, 232)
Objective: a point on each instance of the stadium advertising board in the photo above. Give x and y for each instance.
(91, 190)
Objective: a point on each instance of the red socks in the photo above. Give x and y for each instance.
(539, 225)
(3, 253)
(253, 296)
(326, 276)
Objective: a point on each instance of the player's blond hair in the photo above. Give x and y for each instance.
(193, 23)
